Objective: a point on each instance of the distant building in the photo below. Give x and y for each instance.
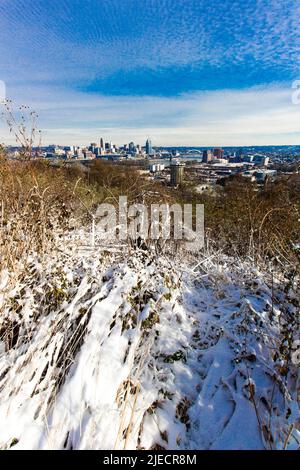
(155, 167)
(250, 174)
(69, 148)
(97, 151)
(206, 156)
(55, 149)
(92, 147)
(263, 175)
(218, 152)
(101, 143)
(88, 154)
(248, 158)
(148, 147)
(132, 148)
(261, 160)
(177, 172)
(217, 161)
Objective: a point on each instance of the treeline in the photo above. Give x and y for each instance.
(246, 219)
(241, 218)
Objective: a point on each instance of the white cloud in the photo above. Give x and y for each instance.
(38, 45)
(258, 115)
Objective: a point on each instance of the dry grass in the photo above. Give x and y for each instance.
(38, 205)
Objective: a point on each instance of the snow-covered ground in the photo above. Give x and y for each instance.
(102, 350)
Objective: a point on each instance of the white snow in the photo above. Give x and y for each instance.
(140, 351)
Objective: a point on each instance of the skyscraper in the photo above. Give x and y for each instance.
(218, 153)
(148, 147)
(206, 156)
(92, 147)
(132, 148)
(101, 143)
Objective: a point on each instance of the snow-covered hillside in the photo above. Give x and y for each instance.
(140, 351)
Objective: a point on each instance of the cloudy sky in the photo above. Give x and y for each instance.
(184, 72)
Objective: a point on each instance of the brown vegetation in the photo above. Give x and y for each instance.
(241, 218)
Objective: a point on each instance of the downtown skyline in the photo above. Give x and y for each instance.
(186, 73)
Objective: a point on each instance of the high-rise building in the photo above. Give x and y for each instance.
(101, 143)
(132, 148)
(177, 171)
(148, 147)
(218, 152)
(207, 156)
(92, 147)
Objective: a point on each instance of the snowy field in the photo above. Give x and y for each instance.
(104, 350)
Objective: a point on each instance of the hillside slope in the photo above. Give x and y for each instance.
(101, 350)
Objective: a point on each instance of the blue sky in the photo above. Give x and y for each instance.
(185, 72)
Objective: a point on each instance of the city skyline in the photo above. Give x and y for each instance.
(186, 73)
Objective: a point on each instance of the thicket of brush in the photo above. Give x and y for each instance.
(241, 218)
(244, 219)
(38, 204)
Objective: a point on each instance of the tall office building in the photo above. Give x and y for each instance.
(207, 156)
(97, 151)
(101, 143)
(132, 148)
(148, 147)
(218, 153)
